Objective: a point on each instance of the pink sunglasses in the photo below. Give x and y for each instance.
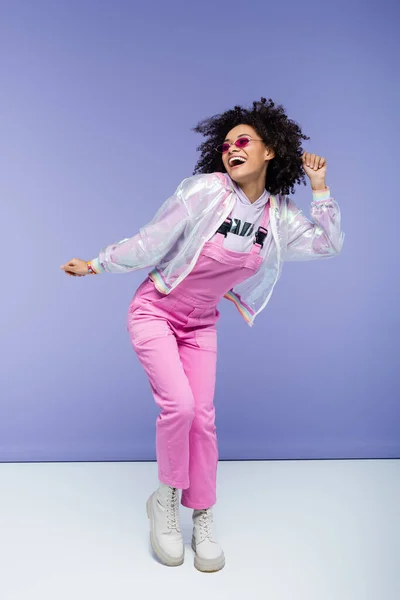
(240, 143)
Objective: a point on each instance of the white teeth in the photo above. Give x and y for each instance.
(241, 158)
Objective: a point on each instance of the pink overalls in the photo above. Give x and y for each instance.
(175, 339)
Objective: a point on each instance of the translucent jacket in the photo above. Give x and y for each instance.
(172, 241)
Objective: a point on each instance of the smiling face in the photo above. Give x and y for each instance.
(246, 162)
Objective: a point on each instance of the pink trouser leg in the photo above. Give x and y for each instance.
(199, 362)
(159, 357)
(182, 379)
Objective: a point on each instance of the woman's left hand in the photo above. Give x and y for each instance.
(75, 268)
(315, 169)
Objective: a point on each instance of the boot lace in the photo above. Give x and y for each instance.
(172, 509)
(205, 522)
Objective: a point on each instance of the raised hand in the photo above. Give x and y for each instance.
(315, 168)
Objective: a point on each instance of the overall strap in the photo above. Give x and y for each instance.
(223, 231)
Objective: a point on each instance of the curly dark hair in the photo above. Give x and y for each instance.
(273, 126)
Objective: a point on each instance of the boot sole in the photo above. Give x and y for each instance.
(207, 566)
(158, 551)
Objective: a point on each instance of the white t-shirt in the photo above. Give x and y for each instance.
(246, 219)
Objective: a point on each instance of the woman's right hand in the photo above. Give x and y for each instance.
(75, 268)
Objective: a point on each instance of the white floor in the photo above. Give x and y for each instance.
(291, 530)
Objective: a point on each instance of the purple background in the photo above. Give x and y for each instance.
(97, 102)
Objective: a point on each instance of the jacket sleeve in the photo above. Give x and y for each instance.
(320, 237)
(153, 241)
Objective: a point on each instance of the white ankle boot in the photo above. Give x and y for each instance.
(208, 553)
(165, 532)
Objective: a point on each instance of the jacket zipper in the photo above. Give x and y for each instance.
(274, 233)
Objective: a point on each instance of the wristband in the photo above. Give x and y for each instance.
(90, 269)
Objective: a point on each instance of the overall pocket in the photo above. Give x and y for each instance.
(207, 338)
(203, 323)
(143, 328)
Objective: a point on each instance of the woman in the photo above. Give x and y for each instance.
(225, 232)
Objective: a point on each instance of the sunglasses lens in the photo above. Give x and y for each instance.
(242, 142)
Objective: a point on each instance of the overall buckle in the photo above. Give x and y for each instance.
(260, 236)
(225, 227)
